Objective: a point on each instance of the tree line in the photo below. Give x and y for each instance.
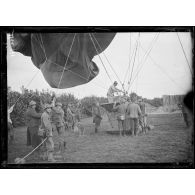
(45, 96)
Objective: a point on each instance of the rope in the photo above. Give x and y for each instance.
(161, 68)
(66, 60)
(145, 59)
(130, 58)
(184, 53)
(78, 75)
(138, 54)
(43, 47)
(28, 85)
(108, 60)
(133, 63)
(33, 150)
(100, 57)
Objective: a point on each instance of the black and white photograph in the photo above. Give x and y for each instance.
(99, 95)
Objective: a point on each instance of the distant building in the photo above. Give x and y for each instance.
(170, 102)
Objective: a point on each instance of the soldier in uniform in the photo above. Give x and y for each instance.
(33, 122)
(58, 123)
(121, 113)
(46, 124)
(142, 118)
(134, 112)
(112, 89)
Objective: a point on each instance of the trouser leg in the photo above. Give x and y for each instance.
(50, 149)
(136, 124)
(132, 126)
(123, 127)
(61, 137)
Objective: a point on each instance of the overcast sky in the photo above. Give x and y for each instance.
(169, 74)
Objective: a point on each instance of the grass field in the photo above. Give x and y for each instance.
(169, 141)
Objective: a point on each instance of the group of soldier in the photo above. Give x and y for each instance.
(40, 127)
(131, 112)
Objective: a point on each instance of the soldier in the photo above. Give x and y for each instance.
(96, 115)
(142, 118)
(121, 109)
(33, 122)
(112, 89)
(134, 111)
(47, 126)
(57, 117)
(70, 117)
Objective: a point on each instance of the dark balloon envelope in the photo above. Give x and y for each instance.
(51, 51)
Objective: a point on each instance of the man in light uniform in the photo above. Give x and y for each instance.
(121, 111)
(112, 89)
(47, 126)
(57, 116)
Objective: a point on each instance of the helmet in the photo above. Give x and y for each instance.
(32, 103)
(58, 104)
(47, 106)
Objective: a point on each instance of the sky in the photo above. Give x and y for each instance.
(163, 72)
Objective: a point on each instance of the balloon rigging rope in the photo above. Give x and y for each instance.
(77, 74)
(43, 47)
(144, 59)
(107, 59)
(66, 60)
(100, 57)
(184, 53)
(161, 69)
(130, 59)
(133, 62)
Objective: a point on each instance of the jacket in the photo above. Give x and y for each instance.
(57, 116)
(32, 118)
(133, 110)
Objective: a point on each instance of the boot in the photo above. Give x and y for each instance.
(50, 157)
(96, 130)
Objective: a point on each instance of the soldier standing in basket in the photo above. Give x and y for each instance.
(46, 124)
(112, 89)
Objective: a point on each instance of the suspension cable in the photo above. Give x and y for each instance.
(100, 57)
(184, 53)
(108, 60)
(76, 74)
(130, 59)
(160, 67)
(66, 60)
(146, 56)
(133, 63)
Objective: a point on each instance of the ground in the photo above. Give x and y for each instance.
(169, 141)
